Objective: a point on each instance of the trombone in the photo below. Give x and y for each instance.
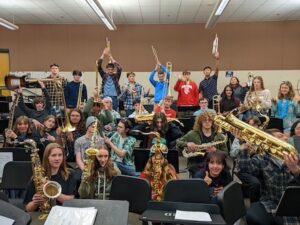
(216, 104)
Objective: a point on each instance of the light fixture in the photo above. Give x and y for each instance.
(216, 13)
(8, 24)
(96, 6)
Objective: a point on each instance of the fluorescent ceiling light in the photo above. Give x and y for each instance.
(221, 7)
(8, 24)
(216, 13)
(95, 5)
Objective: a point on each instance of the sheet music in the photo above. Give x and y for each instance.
(5, 157)
(6, 221)
(60, 215)
(192, 215)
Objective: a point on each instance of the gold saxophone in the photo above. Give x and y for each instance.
(43, 186)
(255, 137)
(91, 154)
(200, 150)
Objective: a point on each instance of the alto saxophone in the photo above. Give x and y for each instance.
(200, 150)
(43, 186)
(255, 137)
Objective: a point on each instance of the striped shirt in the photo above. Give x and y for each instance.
(208, 87)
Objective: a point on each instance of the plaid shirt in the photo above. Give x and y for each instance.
(128, 97)
(55, 91)
(274, 179)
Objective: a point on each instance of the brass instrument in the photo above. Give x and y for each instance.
(43, 185)
(167, 89)
(79, 95)
(155, 171)
(200, 150)
(96, 100)
(13, 82)
(108, 47)
(155, 54)
(250, 79)
(255, 136)
(216, 103)
(91, 154)
(67, 127)
(11, 118)
(143, 117)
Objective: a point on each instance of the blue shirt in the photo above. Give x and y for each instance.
(109, 87)
(208, 87)
(161, 87)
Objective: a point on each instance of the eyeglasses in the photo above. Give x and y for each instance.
(203, 102)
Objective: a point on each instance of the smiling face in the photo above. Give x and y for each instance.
(215, 167)
(228, 91)
(284, 89)
(55, 158)
(22, 127)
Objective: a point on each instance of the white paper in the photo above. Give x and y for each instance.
(192, 215)
(6, 221)
(215, 45)
(5, 157)
(60, 215)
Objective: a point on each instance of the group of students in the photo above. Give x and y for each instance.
(116, 138)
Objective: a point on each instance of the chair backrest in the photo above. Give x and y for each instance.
(16, 175)
(232, 203)
(19, 154)
(13, 212)
(191, 190)
(141, 156)
(135, 190)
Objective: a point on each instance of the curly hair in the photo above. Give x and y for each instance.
(22, 119)
(202, 117)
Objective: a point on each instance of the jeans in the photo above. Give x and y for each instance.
(252, 185)
(127, 170)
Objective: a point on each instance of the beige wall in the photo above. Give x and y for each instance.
(243, 46)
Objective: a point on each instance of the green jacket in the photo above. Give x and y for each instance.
(197, 137)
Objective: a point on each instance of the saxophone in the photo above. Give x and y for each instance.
(255, 137)
(91, 153)
(200, 150)
(43, 186)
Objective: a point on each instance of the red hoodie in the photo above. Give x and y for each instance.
(188, 94)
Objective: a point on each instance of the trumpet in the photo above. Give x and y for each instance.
(216, 103)
(200, 150)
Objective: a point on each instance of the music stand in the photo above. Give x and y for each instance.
(289, 203)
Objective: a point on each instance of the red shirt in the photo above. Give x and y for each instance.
(170, 113)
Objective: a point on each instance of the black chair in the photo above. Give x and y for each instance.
(232, 203)
(12, 212)
(289, 204)
(149, 108)
(135, 190)
(19, 154)
(16, 175)
(141, 156)
(191, 190)
(188, 124)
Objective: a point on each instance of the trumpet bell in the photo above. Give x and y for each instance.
(52, 189)
(68, 128)
(91, 151)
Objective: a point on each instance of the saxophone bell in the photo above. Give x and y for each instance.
(52, 189)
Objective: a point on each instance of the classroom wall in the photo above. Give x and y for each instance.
(243, 46)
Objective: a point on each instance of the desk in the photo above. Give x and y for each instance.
(165, 212)
(110, 212)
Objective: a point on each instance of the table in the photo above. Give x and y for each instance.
(110, 212)
(165, 212)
